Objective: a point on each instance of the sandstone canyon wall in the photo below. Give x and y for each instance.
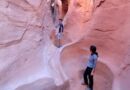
(30, 59)
(25, 55)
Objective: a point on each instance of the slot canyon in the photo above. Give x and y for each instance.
(30, 58)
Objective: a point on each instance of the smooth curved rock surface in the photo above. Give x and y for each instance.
(43, 84)
(25, 56)
(108, 29)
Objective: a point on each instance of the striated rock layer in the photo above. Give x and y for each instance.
(27, 55)
(30, 59)
(108, 29)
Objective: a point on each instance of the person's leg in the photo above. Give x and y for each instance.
(58, 37)
(85, 77)
(90, 79)
(60, 34)
(91, 82)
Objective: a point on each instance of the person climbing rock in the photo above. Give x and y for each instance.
(60, 32)
(91, 66)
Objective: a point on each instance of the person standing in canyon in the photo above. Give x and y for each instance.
(91, 66)
(60, 32)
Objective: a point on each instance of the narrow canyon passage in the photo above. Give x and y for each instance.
(95, 33)
(73, 67)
